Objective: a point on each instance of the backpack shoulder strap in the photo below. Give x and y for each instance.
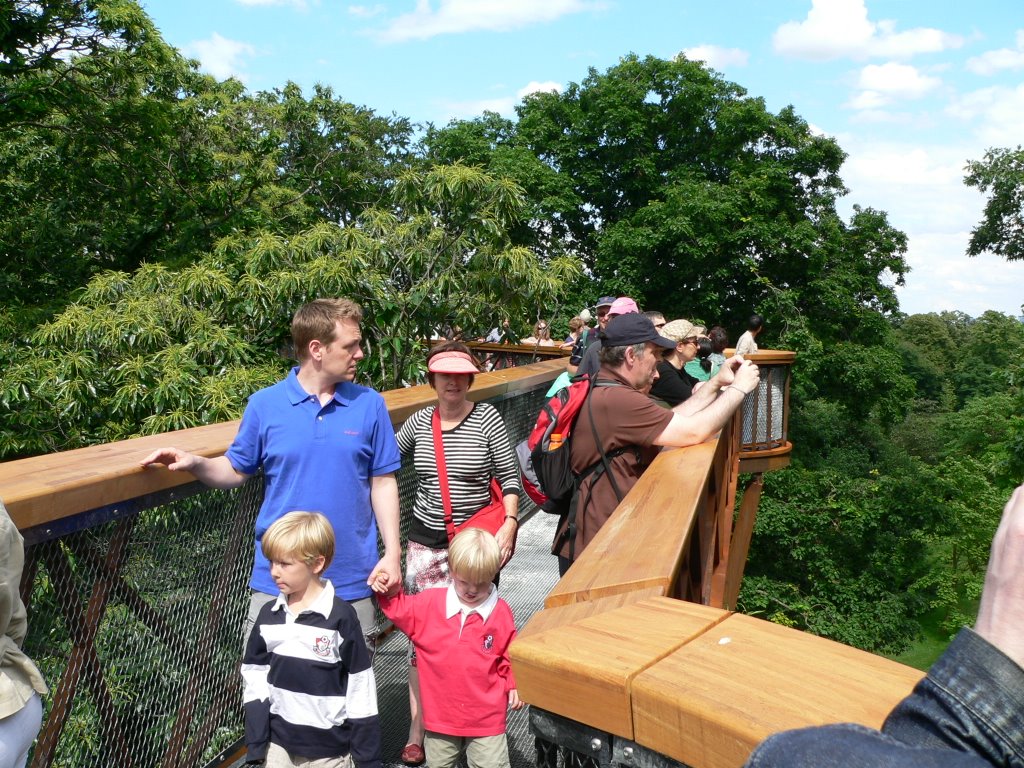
(597, 438)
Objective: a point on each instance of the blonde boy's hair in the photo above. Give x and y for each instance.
(474, 555)
(300, 535)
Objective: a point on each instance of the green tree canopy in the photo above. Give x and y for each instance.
(162, 349)
(1001, 230)
(127, 154)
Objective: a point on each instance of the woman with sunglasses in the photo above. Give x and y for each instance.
(541, 335)
(674, 384)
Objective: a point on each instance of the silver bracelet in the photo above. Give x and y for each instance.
(738, 389)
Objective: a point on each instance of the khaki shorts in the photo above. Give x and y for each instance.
(481, 751)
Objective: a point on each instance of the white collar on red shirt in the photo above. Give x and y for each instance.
(321, 605)
(454, 606)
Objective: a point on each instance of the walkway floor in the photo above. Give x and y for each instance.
(524, 584)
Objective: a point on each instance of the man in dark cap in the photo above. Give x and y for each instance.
(588, 338)
(606, 312)
(632, 428)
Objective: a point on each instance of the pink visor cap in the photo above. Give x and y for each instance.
(623, 306)
(452, 362)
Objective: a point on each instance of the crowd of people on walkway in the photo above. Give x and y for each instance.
(328, 454)
(327, 548)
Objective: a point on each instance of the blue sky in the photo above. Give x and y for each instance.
(912, 89)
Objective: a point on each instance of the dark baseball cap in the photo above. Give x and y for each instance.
(605, 301)
(624, 330)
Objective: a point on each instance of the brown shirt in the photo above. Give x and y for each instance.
(624, 417)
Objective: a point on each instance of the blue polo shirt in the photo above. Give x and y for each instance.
(319, 459)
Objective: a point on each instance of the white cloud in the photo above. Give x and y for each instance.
(716, 56)
(366, 11)
(921, 187)
(900, 80)
(875, 116)
(868, 100)
(900, 45)
(996, 113)
(221, 57)
(534, 87)
(991, 62)
(456, 16)
(944, 277)
(835, 29)
(503, 105)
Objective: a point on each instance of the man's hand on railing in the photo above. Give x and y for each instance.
(216, 472)
(175, 459)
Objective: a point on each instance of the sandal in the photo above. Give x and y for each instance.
(413, 754)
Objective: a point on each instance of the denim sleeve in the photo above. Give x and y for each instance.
(971, 701)
(967, 713)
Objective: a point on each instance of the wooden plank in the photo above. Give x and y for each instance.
(550, 618)
(41, 489)
(709, 703)
(583, 670)
(641, 545)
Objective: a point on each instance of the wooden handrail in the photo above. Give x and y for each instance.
(43, 489)
(622, 557)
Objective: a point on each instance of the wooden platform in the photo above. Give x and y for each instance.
(700, 685)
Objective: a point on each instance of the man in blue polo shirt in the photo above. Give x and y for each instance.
(325, 444)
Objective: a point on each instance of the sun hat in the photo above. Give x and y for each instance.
(633, 328)
(452, 362)
(623, 306)
(679, 330)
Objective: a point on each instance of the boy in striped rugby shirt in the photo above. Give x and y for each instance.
(309, 692)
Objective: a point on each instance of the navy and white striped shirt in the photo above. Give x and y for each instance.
(308, 683)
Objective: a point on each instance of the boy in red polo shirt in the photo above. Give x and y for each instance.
(461, 634)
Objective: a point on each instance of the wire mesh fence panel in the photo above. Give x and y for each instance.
(137, 626)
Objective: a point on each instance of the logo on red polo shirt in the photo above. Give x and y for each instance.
(488, 642)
